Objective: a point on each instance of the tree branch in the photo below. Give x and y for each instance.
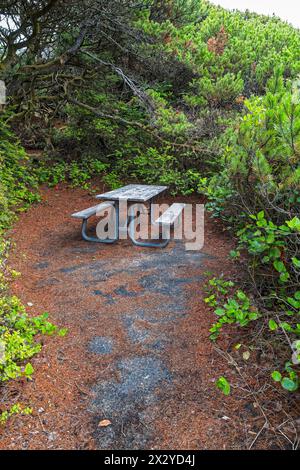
(140, 94)
(63, 58)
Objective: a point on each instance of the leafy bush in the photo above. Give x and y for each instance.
(16, 409)
(212, 60)
(17, 337)
(258, 195)
(77, 174)
(235, 309)
(18, 331)
(162, 167)
(17, 183)
(18, 334)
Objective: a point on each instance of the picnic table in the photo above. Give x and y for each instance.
(131, 194)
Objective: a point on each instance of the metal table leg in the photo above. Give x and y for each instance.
(88, 238)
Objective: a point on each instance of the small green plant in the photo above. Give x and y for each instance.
(112, 180)
(77, 174)
(233, 308)
(223, 385)
(267, 241)
(18, 184)
(18, 332)
(290, 381)
(14, 410)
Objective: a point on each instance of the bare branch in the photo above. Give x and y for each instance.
(140, 94)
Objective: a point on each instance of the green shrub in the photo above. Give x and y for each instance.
(16, 409)
(258, 194)
(162, 167)
(17, 182)
(77, 174)
(232, 307)
(17, 337)
(18, 331)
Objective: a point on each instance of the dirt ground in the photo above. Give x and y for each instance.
(137, 352)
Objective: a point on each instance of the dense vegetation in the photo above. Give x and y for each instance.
(173, 92)
(18, 332)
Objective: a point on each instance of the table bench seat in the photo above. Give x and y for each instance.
(85, 214)
(170, 216)
(90, 211)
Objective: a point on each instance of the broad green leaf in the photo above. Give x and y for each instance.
(293, 302)
(279, 266)
(294, 224)
(276, 376)
(223, 385)
(275, 252)
(270, 239)
(296, 262)
(284, 277)
(261, 215)
(29, 370)
(241, 295)
(289, 384)
(219, 311)
(286, 326)
(296, 345)
(297, 295)
(273, 325)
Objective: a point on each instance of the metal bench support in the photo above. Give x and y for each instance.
(136, 242)
(88, 238)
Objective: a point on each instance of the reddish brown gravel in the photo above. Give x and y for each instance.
(137, 352)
